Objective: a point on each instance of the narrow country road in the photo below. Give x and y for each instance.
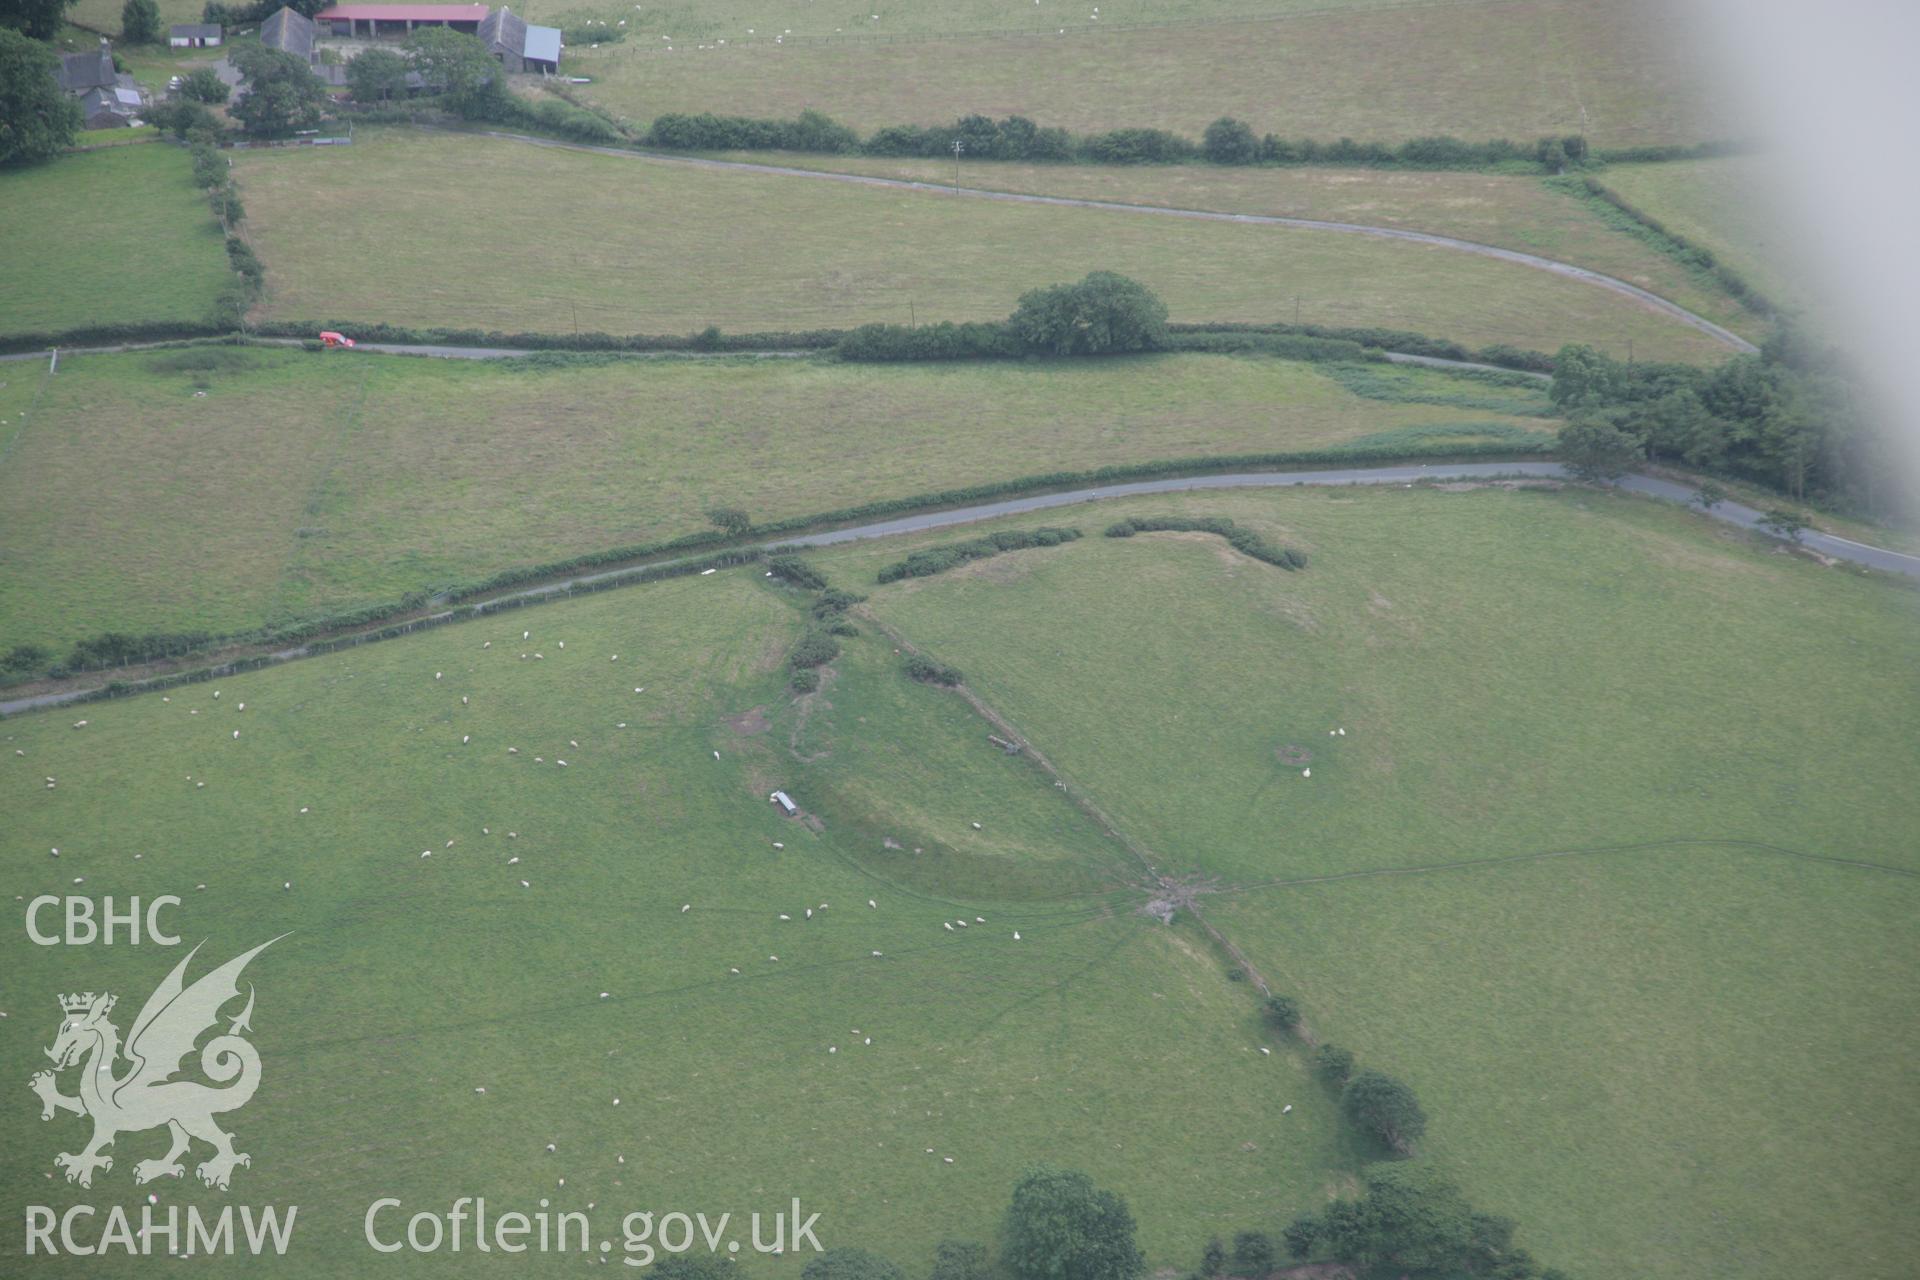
(1728, 512)
(512, 353)
(1647, 298)
(443, 352)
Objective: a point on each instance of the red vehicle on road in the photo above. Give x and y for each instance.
(331, 339)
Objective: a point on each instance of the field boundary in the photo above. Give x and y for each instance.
(1650, 231)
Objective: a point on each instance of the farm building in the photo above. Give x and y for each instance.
(80, 72)
(108, 98)
(194, 35)
(290, 32)
(784, 803)
(372, 20)
(519, 46)
(114, 108)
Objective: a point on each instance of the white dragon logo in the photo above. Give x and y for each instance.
(144, 1096)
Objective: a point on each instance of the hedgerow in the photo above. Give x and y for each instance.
(974, 340)
(1399, 341)
(1226, 142)
(792, 569)
(1245, 541)
(927, 671)
(1644, 226)
(710, 339)
(1673, 151)
(924, 564)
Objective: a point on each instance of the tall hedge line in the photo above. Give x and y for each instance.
(710, 339)
(1401, 341)
(1678, 247)
(1245, 541)
(1226, 141)
(100, 335)
(933, 560)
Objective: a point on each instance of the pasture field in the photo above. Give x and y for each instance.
(1687, 1057)
(1731, 206)
(406, 985)
(103, 17)
(1619, 71)
(1512, 211)
(638, 255)
(92, 262)
(255, 484)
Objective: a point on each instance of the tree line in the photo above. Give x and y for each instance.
(1226, 141)
(1789, 419)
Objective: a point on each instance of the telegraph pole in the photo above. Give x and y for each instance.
(958, 147)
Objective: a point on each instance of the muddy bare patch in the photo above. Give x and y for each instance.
(749, 723)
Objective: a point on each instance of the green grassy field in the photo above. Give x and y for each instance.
(638, 255)
(123, 238)
(104, 16)
(1622, 71)
(1513, 211)
(283, 483)
(1686, 1059)
(1730, 206)
(409, 984)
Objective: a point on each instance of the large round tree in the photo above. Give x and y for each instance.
(1062, 1227)
(36, 119)
(1104, 313)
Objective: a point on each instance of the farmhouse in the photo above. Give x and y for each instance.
(108, 99)
(519, 46)
(784, 803)
(194, 35)
(114, 108)
(370, 20)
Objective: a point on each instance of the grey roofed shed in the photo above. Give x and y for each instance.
(542, 47)
(518, 45)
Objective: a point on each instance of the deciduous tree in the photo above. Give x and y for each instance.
(1062, 1227)
(40, 19)
(377, 75)
(1384, 1108)
(36, 118)
(1102, 314)
(1594, 449)
(140, 22)
(282, 94)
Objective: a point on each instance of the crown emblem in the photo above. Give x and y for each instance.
(80, 1002)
